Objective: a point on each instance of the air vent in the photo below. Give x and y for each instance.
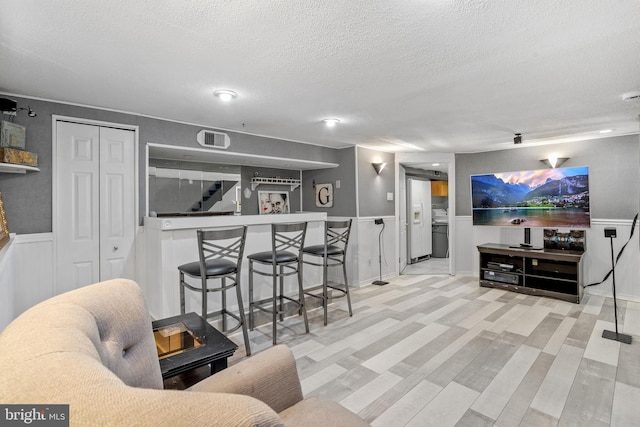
(209, 138)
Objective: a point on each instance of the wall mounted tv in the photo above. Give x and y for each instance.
(536, 198)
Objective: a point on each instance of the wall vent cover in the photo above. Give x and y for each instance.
(209, 138)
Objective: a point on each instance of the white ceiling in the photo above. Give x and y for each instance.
(441, 75)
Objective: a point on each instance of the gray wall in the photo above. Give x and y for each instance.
(27, 198)
(373, 188)
(344, 198)
(614, 176)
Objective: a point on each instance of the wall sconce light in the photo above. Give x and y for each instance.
(554, 162)
(378, 166)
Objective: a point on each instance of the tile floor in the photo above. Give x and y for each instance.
(442, 351)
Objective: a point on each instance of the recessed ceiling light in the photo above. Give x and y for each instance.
(331, 121)
(435, 164)
(606, 131)
(225, 94)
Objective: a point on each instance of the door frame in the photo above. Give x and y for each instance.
(413, 158)
(54, 178)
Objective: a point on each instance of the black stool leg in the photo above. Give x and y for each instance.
(204, 298)
(281, 296)
(223, 298)
(346, 288)
(274, 317)
(325, 293)
(245, 334)
(251, 321)
(301, 297)
(182, 306)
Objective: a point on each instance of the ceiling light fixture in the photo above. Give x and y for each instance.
(517, 139)
(606, 131)
(331, 121)
(225, 95)
(629, 96)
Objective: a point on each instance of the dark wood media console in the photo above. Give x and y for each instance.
(547, 272)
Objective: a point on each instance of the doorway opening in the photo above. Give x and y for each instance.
(424, 216)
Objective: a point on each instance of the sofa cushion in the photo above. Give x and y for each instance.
(320, 412)
(107, 321)
(269, 376)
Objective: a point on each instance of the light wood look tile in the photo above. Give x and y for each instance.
(446, 408)
(553, 392)
(497, 394)
(625, 410)
(441, 350)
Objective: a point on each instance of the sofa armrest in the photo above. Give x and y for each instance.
(270, 376)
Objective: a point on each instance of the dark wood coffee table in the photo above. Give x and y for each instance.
(187, 341)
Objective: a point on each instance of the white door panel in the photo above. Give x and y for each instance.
(95, 217)
(117, 222)
(77, 227)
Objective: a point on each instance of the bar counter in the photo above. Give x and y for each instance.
(171, 241)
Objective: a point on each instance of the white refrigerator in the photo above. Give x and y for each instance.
(419, 219)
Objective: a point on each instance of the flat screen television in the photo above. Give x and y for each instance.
(547, 198)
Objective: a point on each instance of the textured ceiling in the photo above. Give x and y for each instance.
(442, 75)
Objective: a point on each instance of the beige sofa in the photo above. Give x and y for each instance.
(93, 349)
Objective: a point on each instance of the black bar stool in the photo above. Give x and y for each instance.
(284, 259)
(221, 253)
(333, 253)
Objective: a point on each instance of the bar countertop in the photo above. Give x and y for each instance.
(185, 223)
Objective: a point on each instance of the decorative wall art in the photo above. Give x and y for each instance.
(273, 202)
(4, 230)
(324, 195)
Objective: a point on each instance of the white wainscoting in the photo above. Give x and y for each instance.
(26, 274)
(596, 261)
(363, 244)
(7, 282)
(35, 279)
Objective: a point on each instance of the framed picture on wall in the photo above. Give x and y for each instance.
(4, 230)
(324, 195)
(273, 202)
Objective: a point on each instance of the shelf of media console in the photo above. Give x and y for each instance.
(563, 282)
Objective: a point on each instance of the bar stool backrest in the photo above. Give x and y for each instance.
(337, 234)
(288, 237)
(222, 244)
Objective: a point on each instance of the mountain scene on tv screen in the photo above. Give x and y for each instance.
(490, 191)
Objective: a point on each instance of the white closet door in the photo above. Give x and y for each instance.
(95, 216)
(117, 226)
(77, 232)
